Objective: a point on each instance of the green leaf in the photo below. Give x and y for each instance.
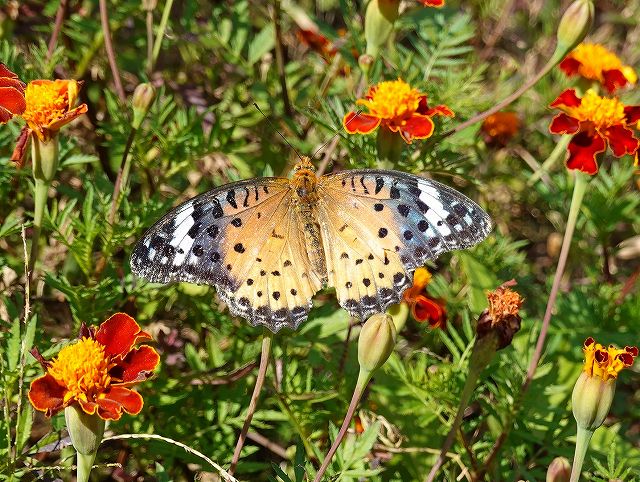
(261, 44)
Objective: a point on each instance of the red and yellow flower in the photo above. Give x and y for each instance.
(12, 101)
(97, 371)
(596, 121)
(396, 106)
(423, 307)
(595, 62)
(606, 362)
(500, 127)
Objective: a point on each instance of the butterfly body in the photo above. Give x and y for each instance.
(269, 244)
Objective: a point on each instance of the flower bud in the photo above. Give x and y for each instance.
(378, 23)
(399, 314)
(575, 24)
(143, 97)
(85, 430)
(591, 400)
(365, 61)
(376, 342)
(559, 470)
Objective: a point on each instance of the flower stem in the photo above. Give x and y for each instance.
(262, 370)
(363, 378)
(389, 146)
(111, 55)
(483, 351)
(159, 36)
(581, 181)
(582, 444)
(561, 148)
(84, 465)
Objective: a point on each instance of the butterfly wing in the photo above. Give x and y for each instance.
(378, 226)
(243, 238)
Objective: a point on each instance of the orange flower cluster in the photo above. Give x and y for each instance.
(396, 106)
(423, 307)
(97, 371)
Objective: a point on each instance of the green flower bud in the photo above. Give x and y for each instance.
(591, 400)
(365, 61)
(85, 430)
(376, 342)
(143, 97)
(575, 24)
(559, 470)
(399, 314)
(378, 23)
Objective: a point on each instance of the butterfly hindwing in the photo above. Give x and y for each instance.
(393, 222)
(243, 239)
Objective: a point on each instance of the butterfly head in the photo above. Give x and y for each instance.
(304, 179)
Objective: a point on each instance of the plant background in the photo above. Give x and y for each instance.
(215, 60)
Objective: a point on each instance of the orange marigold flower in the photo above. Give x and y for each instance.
(500, 127)
(12, 100)
(606, 362)
(432, 3)
(595, 62)
(96, 371)
(423, 307)
(502, 318)
(398, 107)
(596, 121)
(50, 105)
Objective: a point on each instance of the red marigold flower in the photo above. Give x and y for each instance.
(397, 107)
(96, 371)
(423, 307)
(500, 127)
(12, 101)
(595, 62)
(432, 3)
(596, 121)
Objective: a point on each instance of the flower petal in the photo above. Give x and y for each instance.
(416, 127)
(564, 124)
(355, 123)
(432, 3)
(427, 309)
(88, 407)
(441, 110)
(112, 403)
(119, 333)
(47, 395)
(632, 114)
(68, 117)
(583, 149)
(22, 143)
(12, 100)
(570, 66)
(137, 366)
(621, 140)
(613, 79)
(567, 99)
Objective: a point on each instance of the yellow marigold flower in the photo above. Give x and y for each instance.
(595, 62)
(50, 105)
(398, 107)
(607, 362)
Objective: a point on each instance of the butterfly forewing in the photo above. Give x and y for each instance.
(242, 238)
(378, 226)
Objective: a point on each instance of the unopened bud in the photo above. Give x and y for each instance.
(85, 430)
(575, 24)
(591, 400)
(559, 470)
(365, 61)
(143, 97)
(376, 342)
(378, 23)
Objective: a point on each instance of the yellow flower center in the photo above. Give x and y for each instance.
(82, 368)
(46, 103)
(394, 99)
(596, 59)
(601, 111)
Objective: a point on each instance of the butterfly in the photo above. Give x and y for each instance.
(269, 244)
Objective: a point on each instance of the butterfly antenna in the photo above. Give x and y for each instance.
(337, 133)
(276, 129)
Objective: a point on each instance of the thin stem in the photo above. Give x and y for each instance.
(262, 370)
(121, 178)
(57, 27)
(582, 444)
(160, 35)
(84, 466)
(579, 188)
(149, 23)
(561, 148)
(280, 60)
(104, 19)
(363, 379)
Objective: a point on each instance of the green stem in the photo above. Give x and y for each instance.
(561, 148)
(483, 352)
(363, 378)
(84, 465)
(582, 444)
(161, 29)
(389, 146)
